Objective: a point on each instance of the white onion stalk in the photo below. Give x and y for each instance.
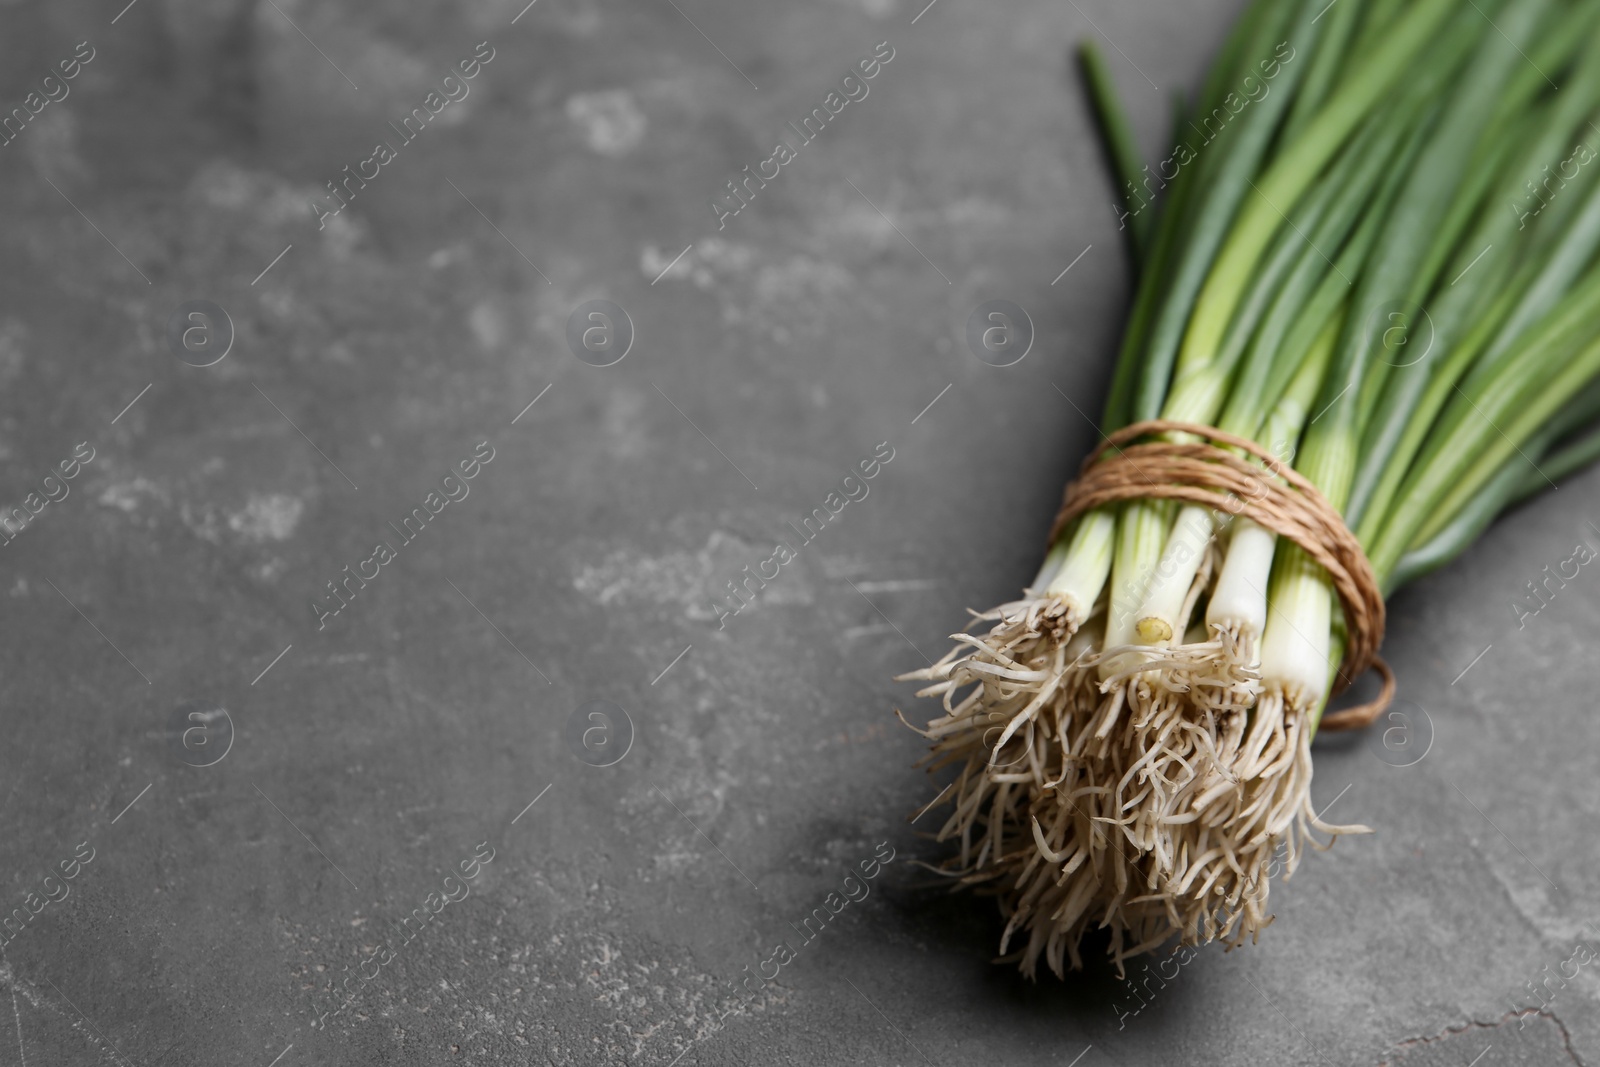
(1141, 536)
(1075, 571)
(1237, 611)
(1238, 606)
(1160, 614)
(1295, 645)
(1198, 391)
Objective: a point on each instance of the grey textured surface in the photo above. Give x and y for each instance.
(221, 911)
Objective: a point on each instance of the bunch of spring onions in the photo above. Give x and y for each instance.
(1373, 251)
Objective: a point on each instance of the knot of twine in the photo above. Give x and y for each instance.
(1269, 493)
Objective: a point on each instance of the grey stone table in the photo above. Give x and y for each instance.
(534, 793)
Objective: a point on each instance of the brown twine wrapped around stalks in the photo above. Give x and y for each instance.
(1195, 472)
(1157, 800)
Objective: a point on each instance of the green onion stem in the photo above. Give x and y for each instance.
(1227, 162)
(1331, 55)
(1479, 421)
(1117, 135)
(1172, 226)
(1520, 478)
(1295, 168)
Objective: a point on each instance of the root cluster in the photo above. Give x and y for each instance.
(1153, 792)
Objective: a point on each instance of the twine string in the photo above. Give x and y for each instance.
(1211, 472)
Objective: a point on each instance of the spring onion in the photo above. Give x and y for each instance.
(1384, 272)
